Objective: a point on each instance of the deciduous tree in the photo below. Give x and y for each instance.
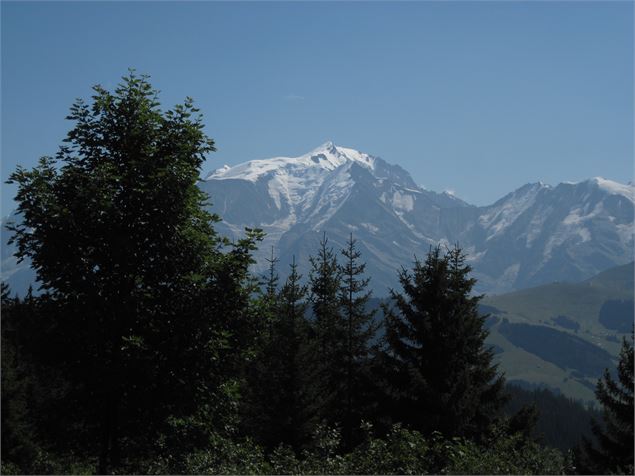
(132, 269)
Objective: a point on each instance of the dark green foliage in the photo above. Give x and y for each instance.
(143, 313)
(271, 283)
(329, 331)
(445, 379)
(222, 455)
(41, 431)
(281, 403)
(401, 451)
(17, 430)
(297, 397)
(561, 421)
(259, 402)
(360, 330)
(614, 452)
(505, 454)
(523, 422)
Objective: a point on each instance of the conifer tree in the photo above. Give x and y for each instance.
(444, 376)
(295, 409)
(360, 330)
(615, 438)
(261, 376)
(280, 398)
(272, 278)
(268, 305)
(330, 332)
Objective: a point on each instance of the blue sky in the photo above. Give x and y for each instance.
(475, 97)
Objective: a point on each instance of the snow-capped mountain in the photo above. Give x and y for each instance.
(539, 233)
(336, 190)
(534, 235)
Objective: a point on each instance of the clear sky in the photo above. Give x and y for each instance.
(474, 97)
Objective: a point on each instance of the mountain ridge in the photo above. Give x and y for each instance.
(535, 234)
(384, 208)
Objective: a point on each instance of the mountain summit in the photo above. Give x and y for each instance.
(326, 157)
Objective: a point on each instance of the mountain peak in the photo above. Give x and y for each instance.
(328, 149)
(326, 157)
(328, 146)
(339, 155)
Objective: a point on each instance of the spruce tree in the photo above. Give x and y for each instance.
(444, 378)
(360, 330)
(280, 398)
(272, 278)
(615, 437)
(261, 378)
(295, 409)
(268, 305)
(330, 331)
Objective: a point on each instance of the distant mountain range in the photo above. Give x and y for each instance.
(534, 235)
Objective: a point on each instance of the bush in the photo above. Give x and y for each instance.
(506, 455)
(223, 456)
(403, 451)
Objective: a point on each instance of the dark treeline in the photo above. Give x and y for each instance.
(151, 347)
(561, 421)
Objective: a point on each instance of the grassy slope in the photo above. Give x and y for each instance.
(580, 302)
